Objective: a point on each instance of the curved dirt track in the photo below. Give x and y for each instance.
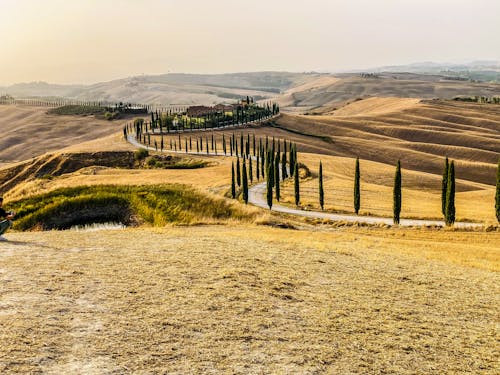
(256, 197)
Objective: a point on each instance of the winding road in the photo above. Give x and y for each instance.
(256, 197)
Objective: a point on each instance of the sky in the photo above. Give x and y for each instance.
(88, 41)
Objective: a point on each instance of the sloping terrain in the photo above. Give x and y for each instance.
(421, 135)
(28, 132)
(172, 89)
(330, 95)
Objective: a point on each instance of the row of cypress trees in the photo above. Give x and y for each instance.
(447, 193)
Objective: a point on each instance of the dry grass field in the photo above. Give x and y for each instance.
(29, 131)
(248, 299)
(328, 92)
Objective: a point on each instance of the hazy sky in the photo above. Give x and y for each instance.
(86, 41)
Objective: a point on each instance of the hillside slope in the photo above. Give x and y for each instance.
(329, 95)
(29, 131)
(421, 135)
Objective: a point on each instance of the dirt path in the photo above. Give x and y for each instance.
(256, 197)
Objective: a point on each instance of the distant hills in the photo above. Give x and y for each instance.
(481, 70)
(172, 89)
(420, 80)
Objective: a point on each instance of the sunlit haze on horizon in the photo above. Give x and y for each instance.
(88, 41)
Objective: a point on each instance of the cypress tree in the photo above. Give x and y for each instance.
(241, 144)
(497, 194)
(321, 191)
(269, 192)
(253, 139)
(262, 157)
(397, 194)
(296, 184)
(245, 182)
(238, 172)
(250, 170)
(357, 193)
(444, 187)
(186, 144)
(450, 196)
(277, 176)
(284, 173)
(224, 144)
(233, 185)
(257, 168)
(292, 162)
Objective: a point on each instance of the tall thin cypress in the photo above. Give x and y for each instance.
(277, 176)
(284, 173)
(250, 170)
(245, 182)
(497, 194)
(253, 139)
(238, 171)
(397, 194)
(444, 183)
(224, 144)
(450, 196)
(233, 185)
(296, 184)
(357, 192)
(262, 157)
(269, 192)
(257, 167)
(321, 191)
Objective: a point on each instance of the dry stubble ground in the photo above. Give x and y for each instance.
(248, 299)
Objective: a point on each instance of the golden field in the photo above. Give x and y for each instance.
(248, 299)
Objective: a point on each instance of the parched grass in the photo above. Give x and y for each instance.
(247, 300)
(157, 205)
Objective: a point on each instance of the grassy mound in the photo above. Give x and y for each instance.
(157, 205)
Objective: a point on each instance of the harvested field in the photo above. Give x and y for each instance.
(20, 124)
(250, 300)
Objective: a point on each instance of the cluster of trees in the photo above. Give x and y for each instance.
(166, 122)
(272, 162)
(478, 99)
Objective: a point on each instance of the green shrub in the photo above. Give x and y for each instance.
(141, 154)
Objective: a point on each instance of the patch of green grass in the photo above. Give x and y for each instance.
(157, 205)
